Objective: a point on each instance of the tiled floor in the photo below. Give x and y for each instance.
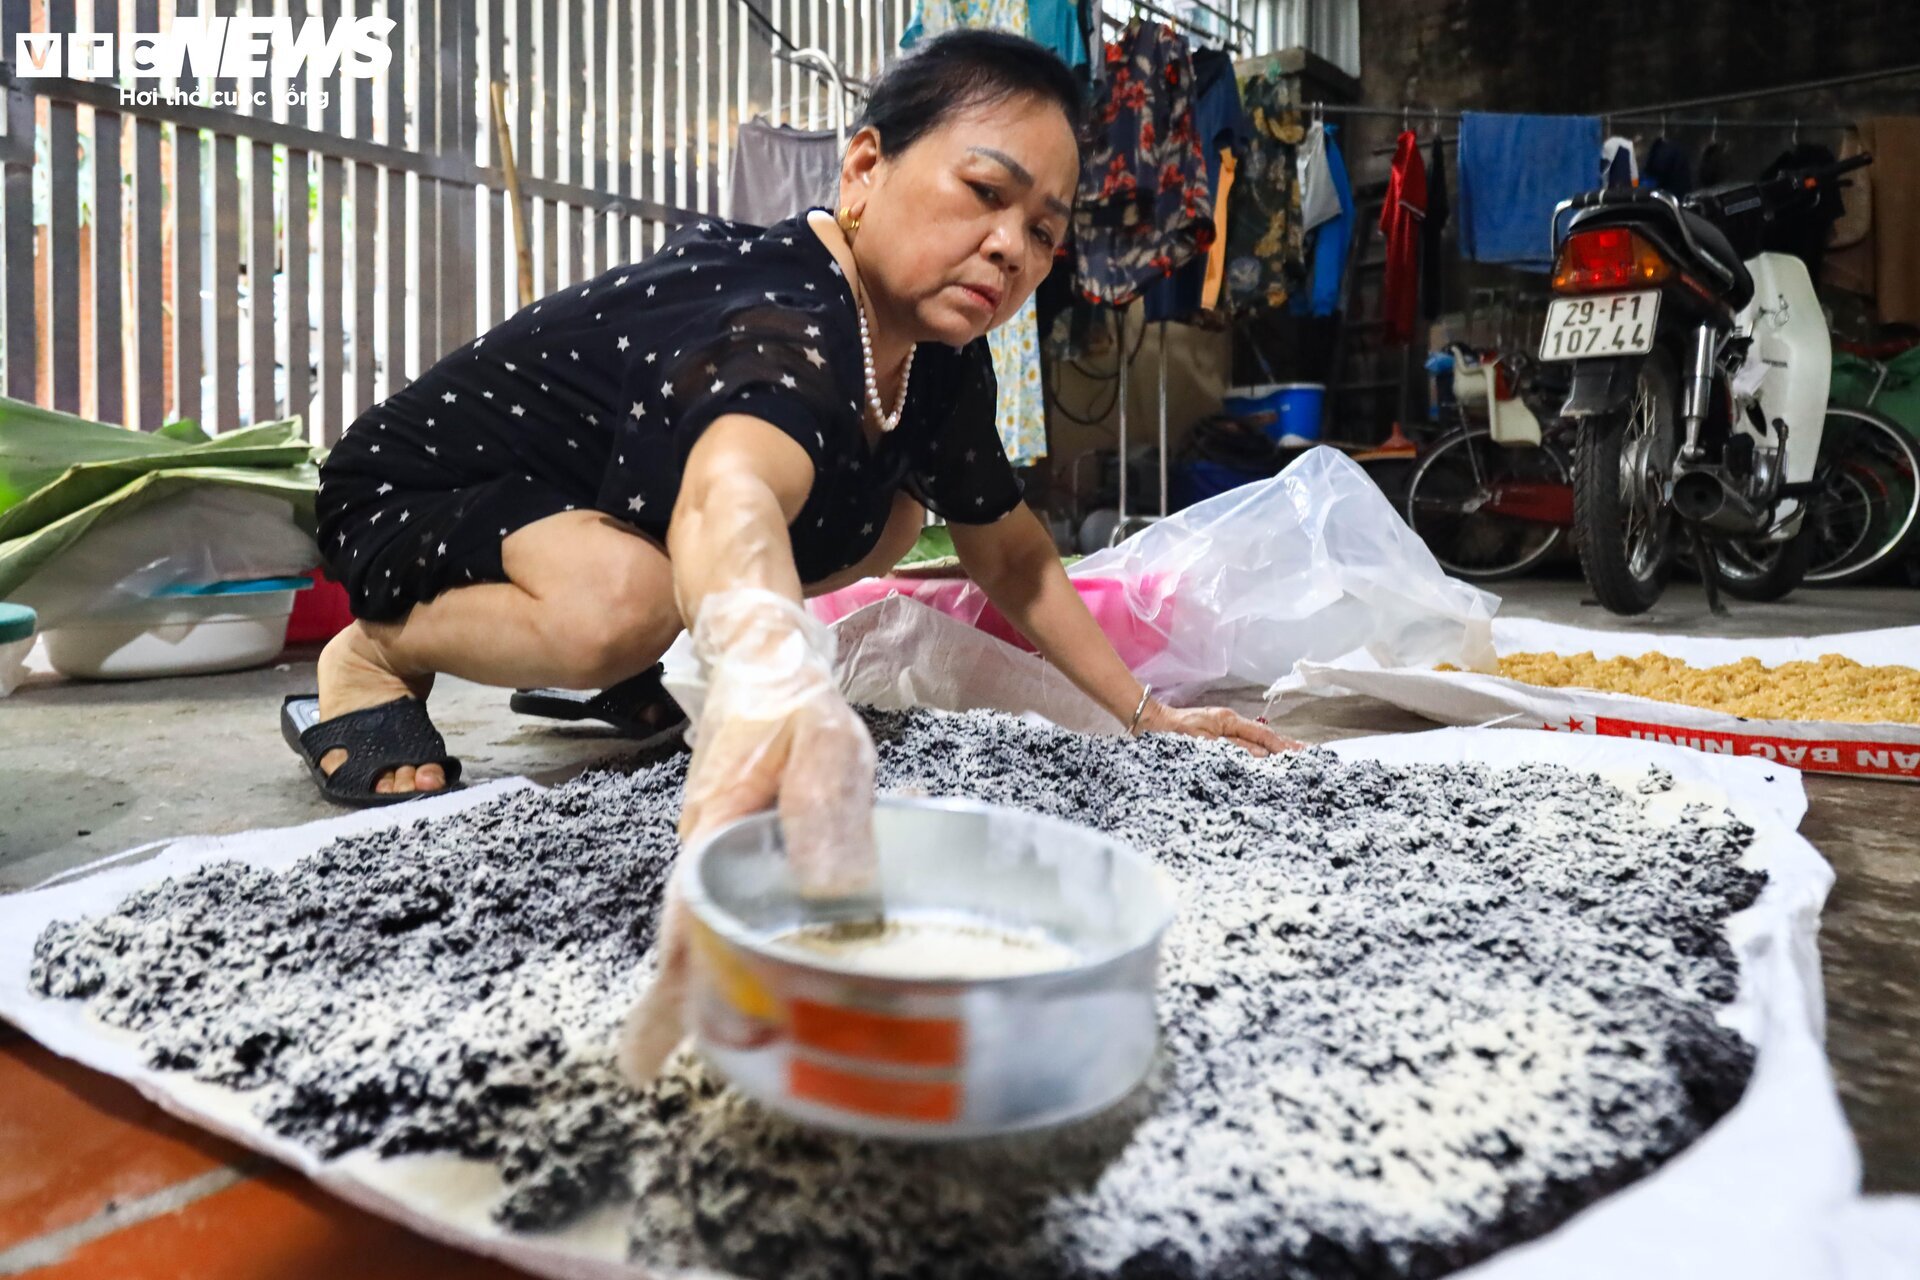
(96, 1182)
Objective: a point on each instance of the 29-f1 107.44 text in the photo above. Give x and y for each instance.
(1619, 324)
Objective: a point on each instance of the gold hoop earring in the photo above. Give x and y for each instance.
(849, 222)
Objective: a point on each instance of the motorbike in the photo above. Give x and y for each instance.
(1700, 366)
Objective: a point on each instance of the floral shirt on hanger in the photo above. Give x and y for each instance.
(1266, 255)
(1144, 209)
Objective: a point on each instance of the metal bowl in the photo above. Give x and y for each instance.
(832, 1043)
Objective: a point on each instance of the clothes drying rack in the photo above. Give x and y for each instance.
(1235, 30)
(820, 63)
(1228, 41)
(1682, 113)
(1125, 523)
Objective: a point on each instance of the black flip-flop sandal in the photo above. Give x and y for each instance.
(378, 740)
(639, 707)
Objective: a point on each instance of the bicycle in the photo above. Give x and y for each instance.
(1866, 512)
(1490, 510)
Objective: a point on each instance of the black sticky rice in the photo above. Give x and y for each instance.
(1411, 1016)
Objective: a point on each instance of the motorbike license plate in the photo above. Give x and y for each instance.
(1616, 324)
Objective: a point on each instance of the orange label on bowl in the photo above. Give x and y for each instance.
(735, 978)
(933, 1101)
(877, 1037)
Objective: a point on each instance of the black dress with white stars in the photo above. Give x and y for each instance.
(593, 397)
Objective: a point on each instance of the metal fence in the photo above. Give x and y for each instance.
(234, 263)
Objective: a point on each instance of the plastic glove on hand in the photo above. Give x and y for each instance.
(1216, 722)
(775, 729)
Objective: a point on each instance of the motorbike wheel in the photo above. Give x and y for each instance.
(1620, 516)
(1762, 571)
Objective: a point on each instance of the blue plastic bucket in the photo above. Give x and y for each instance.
(1300, 405)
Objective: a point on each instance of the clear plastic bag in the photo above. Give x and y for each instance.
(207, 534)
(1313, 563)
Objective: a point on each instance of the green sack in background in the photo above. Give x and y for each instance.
(1899, 398)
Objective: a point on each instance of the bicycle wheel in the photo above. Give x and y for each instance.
(1488, 511)
(1868, 508)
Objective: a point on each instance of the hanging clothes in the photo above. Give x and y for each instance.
(1053, 23)
(1318, 201)
(1215, 276)
(1432, 260)
(1222, 127)
(1668, 167)
(931, 17)
(1513, 171)
(1329, 243)
(1266, 253)
(1088, 14)
(1022, 408)
(1716, 163)
(1056, 24)
(778, 172)
(1400, 218)
(1144, 209)
(1619, 167)
(1022, 417)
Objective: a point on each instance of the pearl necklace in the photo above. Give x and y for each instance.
(888, 421)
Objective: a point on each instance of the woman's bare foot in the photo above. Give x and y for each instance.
(354, 675)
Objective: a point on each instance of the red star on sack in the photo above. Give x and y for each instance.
(1574, 724)
(1551, 728)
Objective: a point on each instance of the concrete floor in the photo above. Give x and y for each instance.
(93, 769)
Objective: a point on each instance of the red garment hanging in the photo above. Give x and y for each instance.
(1400, 219)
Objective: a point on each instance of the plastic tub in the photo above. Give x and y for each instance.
(1255, 406)
(935, 1055)
(1288, 412)
(16, 638)
(183, 630)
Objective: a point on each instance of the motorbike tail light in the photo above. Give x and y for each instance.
(1608, 258)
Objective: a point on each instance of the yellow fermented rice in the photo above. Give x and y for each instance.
(1834, 688)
